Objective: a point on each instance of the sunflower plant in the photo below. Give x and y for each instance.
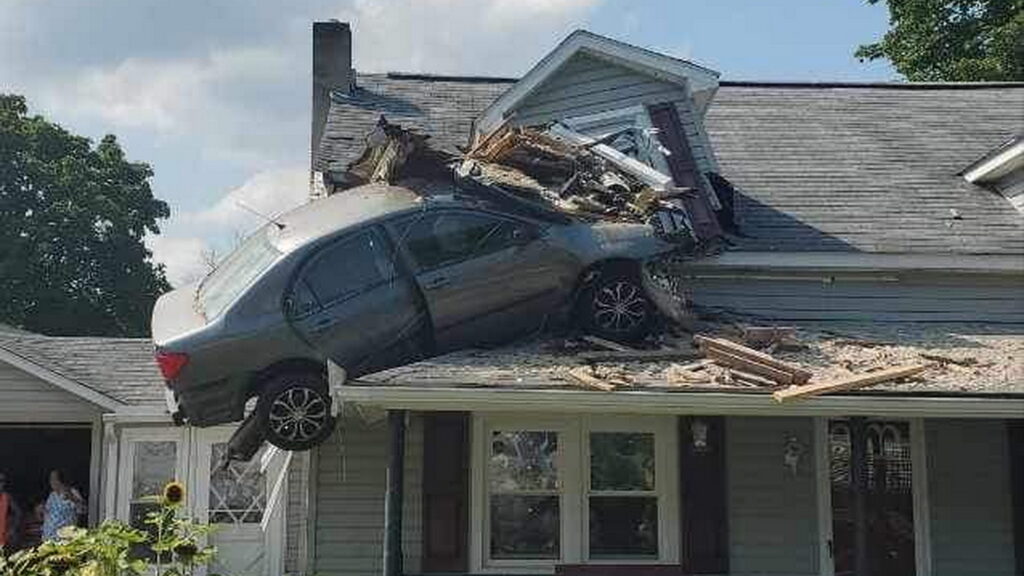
(174, 543)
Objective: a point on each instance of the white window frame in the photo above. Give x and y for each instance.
(918, 483)
(130, 438)
(573, 466)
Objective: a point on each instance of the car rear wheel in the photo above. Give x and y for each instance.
(296, 411)
(615, 306)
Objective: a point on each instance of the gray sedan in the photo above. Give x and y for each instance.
(379, 276)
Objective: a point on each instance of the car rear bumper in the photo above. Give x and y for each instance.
(212, 403)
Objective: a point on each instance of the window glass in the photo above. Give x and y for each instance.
(153, 466)
(524, 497)
(238, 493)
(623, 506)
(347, 268)
(450, 237)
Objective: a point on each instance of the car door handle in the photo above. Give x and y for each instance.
(436, 282)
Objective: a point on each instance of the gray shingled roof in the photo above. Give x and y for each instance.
(869, 168)
(120, 368)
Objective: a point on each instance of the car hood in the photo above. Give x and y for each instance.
(175, 315)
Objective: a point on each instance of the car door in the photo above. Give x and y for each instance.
(356, 306)
(485, 278)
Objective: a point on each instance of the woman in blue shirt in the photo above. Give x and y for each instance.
(63, 506)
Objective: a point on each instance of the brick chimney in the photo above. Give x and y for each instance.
(332, 72)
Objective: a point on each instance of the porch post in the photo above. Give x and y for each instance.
(859, 483)
(393, 498)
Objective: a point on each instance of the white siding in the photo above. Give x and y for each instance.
(297, 513)
(773, 527)
(27, 398)
(969, 493)
(588, 85)
(350, 499)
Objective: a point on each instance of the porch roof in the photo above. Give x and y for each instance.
(980, 360)
(120, 369)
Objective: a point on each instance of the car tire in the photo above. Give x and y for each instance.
(615, 306)
(295, 411)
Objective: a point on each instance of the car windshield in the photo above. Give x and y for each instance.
(235, 273)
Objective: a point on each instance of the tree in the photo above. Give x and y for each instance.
(953, 40)
(72, 221)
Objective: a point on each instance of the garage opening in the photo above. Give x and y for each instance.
(28, 453)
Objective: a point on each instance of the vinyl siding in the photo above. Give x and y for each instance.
(969, 494)
(296, 513)
(588, 85)
(351, 472)
(22, 395)
(773, 528)
(884, 298)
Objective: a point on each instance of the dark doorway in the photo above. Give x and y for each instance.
(872, 498)
(28, 453)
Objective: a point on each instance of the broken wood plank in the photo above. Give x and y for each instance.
(582, 377)
(849, 383)
(754, 379)
(694, 366)
(799, 375)
(607, 344)
(637, 355)
(736, 361)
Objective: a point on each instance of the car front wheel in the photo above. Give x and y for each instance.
(615, 306)
(296, 411)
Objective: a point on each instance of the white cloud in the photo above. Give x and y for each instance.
(182, 257)
(270, 193)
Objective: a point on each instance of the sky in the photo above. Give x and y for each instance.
(215, 94)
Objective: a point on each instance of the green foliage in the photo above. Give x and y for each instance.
(72, 221)
(953, 40)
(116, 549)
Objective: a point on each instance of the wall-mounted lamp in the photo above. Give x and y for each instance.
(792, 451)
(699, 435)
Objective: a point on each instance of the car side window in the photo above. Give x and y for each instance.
(448, 237)
(346, 269)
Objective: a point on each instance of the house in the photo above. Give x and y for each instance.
(878, 218)
(849, 214)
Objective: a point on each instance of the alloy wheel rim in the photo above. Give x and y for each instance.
(619, 307)
(298, 414)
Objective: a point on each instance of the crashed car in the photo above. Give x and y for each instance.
(380, 276)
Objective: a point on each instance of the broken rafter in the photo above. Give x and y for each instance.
(582, 377)
(750, 360)
(849, 383)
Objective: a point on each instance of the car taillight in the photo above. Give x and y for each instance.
(171, 363)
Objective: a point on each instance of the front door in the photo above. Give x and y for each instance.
(872, 494)
(238, 502)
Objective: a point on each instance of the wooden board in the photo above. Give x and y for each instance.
(751, 366)
(799, 374)
(849, 383)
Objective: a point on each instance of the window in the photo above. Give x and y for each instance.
(449, 237)
(238, 493)
(345, 269)
(150, 459)
(227, 281)
(574, 490)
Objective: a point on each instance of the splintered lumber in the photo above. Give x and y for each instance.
(582, 377)
(637, 355)
(849, 383)
(750, 360)
(607, 344)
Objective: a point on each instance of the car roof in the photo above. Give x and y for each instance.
(327, 216)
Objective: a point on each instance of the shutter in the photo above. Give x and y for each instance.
(684, 171)
(703, 512)
(1015, 429)
(446, 492)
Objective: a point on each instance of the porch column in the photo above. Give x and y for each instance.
(393, 498)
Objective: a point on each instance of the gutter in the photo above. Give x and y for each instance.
(653, 402)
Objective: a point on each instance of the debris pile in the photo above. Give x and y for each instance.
(554, 169)
(722, 362)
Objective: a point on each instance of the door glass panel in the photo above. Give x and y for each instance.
(238, 493)
(347, 268)
(451, 237)
(524, 496)
(871, 471)
(153, 466)
(622, 502)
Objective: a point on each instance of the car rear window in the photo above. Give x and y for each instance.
(232, 276)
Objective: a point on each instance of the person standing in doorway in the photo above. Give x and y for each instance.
(63, 506)
(10, 517)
